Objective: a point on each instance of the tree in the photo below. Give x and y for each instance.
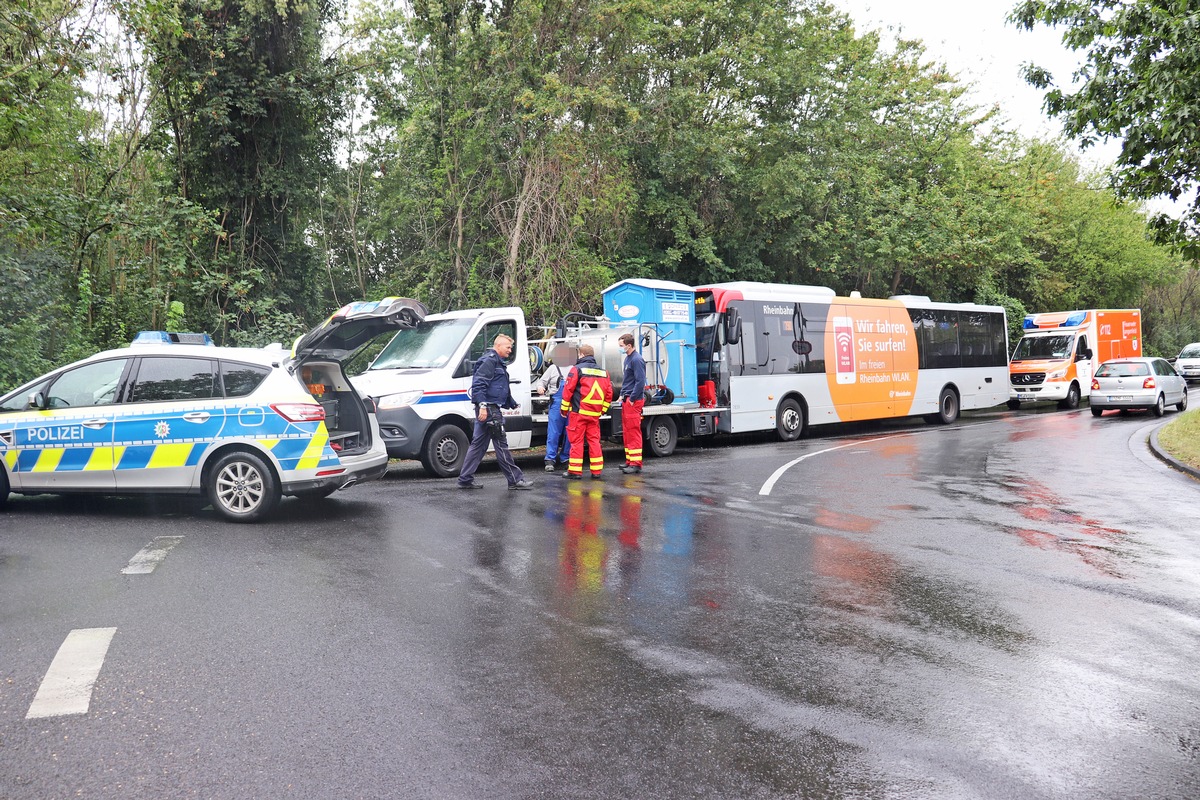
(249, 102)
(1140, 82)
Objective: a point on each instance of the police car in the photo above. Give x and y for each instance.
(173, 414)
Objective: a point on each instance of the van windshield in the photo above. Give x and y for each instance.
(1032, 347)
(1191, 351)
(429, 345)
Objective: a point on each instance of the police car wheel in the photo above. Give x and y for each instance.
(3, 488)
(242, 488)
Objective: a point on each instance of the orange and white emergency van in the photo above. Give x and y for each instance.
(1059, 352)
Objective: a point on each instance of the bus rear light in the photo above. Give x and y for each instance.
(299, 412)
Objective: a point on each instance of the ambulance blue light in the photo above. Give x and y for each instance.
(1075, 320)
(1029, 324)
(170, 337)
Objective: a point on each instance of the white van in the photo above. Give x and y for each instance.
(421, 385)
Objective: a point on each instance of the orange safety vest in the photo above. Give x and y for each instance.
(588, 391)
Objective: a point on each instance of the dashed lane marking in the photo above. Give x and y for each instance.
(67, 687)
(150, 556)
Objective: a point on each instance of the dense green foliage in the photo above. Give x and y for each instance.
(246, 167)
(1139, 83)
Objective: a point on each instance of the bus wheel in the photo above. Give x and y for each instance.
(1071, 401)
(947, 406)
(1013, 405)
(789, 421)
(444, 451)
(662, 435)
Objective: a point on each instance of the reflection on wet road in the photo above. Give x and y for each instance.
(963, 612)
(1008, 607)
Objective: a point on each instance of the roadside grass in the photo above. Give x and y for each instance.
(1181, 438)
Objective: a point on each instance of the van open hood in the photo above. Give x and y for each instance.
(353, 326)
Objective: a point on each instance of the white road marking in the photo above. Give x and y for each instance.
(150, 556)
(67, 687)
(777, 474)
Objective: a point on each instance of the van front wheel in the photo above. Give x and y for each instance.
(1071, 401)
(444, 451)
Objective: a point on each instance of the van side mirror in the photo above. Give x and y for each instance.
(733, 326)
(1084, 355)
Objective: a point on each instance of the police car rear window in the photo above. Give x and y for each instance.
(242, 379)
(165, 378)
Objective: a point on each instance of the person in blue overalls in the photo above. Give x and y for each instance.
(551, 383)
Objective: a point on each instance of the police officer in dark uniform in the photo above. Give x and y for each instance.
(490, 392)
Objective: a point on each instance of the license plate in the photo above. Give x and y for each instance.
(1119, 398)
(1027, 397)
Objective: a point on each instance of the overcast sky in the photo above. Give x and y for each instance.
(974, 41)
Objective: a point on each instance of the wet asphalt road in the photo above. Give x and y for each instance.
(1004, 608)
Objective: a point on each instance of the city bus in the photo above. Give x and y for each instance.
(786, 357)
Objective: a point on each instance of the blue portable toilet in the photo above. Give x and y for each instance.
(666, 314)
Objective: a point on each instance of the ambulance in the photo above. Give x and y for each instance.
(1059, 352)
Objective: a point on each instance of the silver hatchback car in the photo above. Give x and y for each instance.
(1187, 363)
(1126, 383)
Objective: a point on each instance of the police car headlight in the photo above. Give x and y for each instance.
(399, 400)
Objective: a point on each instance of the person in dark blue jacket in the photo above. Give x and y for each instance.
(490, 392)
(633, 399)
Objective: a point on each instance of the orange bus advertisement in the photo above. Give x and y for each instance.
(873, 369)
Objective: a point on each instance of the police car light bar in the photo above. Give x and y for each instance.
(170, 337)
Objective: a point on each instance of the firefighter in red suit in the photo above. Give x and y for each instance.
(587, 395)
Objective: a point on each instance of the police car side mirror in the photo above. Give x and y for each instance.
(37, 400)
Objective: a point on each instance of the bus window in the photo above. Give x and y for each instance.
(776, 354)
(937, 337)
(813, 318)
(981, 339)
(743, 356)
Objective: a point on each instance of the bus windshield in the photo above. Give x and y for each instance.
(1035, 347)
(427, 346)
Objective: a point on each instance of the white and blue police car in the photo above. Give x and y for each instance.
(171, 413)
